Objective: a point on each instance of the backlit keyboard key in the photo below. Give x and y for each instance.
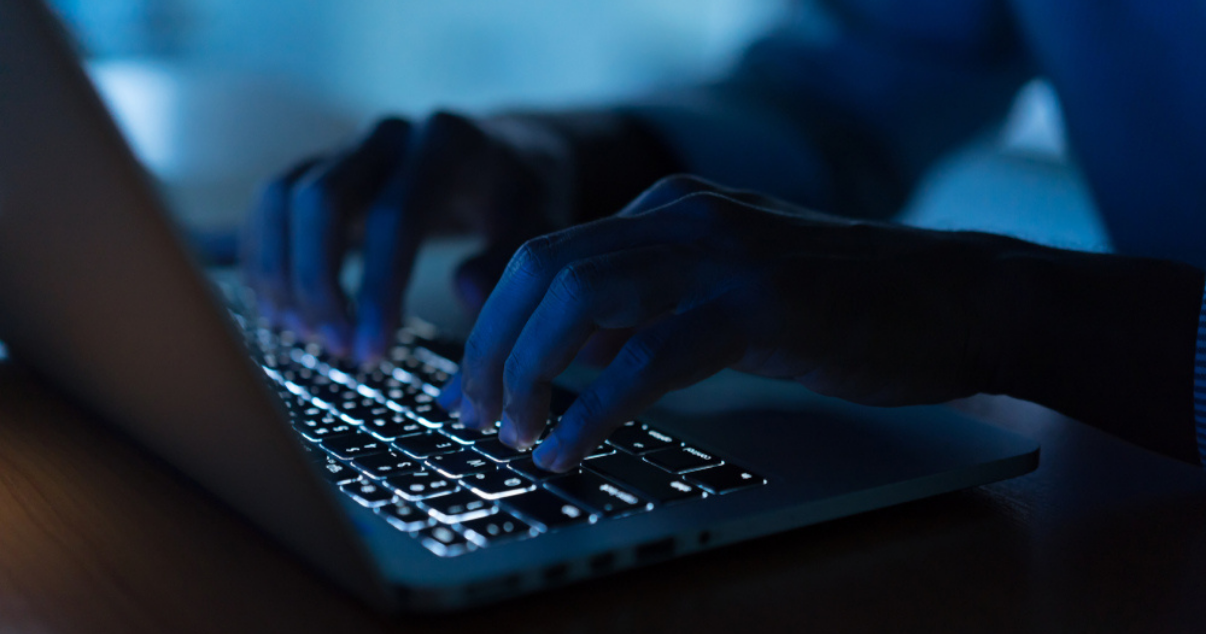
(421, 484)
(725, 478)
(391, 425)
(460, 463)
(639, 439)
(498, 452)
(428, 444)
(528, 469)
(389, 463)
(354, 445)
(430, 414)
(499, 527)
(547, 510)
(337, 473)
(497, 483)
(466, 436)
(458, 506)
(681, 459)
(368, 493)
(404, 516)
(598, 494)
(645, 479)
(443, 541)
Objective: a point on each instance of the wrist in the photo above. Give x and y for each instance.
(1105, 339)
(609, 159)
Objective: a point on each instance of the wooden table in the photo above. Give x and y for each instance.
(96, 536)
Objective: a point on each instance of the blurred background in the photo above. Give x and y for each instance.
(216, 95)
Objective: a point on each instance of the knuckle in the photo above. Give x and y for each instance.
(476, 350)
(680, 185)
(518, 375)
(640, 355)
(574, 283)
(533, 259)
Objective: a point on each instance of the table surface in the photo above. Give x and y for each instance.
(97, 536)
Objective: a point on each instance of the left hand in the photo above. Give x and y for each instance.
(712, 278)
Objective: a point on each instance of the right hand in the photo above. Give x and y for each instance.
(507, 179)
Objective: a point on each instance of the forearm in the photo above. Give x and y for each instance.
(608, 157)
(1105, 339)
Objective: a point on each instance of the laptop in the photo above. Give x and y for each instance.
(357, 471)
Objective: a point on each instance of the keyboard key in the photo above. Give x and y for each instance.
(466, 436)
(681, 459)
(546, 509)
(460, 463)
(354, 445)
(496, 528)
(645, 479)
(443, 541)
(389, 463)
(362, 408)
(391, 425)
(421, 484)
(598, 494)
(430, 414)
(404, 516)
(326, 427)
(338, 473)
(428, 444)
(406, 395)
(308, 413)
(458, 506)
(639, 439)
(368, 493)
(725, 478)
(529, 470)
(498, 452)
(497, 483)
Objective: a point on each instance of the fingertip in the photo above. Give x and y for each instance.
(547, 455)
(450, 394)
(469, 417)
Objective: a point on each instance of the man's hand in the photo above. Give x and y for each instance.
(507, 179)
(711, 279)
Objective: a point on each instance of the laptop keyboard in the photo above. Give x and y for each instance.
(378, 435)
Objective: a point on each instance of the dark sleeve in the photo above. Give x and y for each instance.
(845, 105)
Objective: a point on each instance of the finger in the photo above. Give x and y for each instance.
(617, 290)
(398, 220)
(320, 207)
(520, 291)
(666, 191)
(670, 355)
(265, 251)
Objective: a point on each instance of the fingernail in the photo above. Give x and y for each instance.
(546, 454)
